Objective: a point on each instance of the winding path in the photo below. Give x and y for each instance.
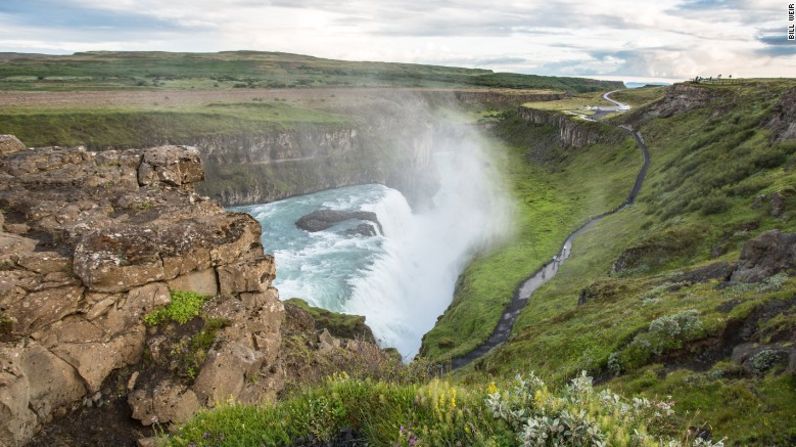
(502, 331)
(620, 105)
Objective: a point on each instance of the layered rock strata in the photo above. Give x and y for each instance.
(90, 244)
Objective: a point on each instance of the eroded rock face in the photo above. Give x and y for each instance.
(766, 255)
(572, 133)
(684, 97)
(90, 244)
(782, 124)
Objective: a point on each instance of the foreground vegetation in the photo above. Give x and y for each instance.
(518, 412)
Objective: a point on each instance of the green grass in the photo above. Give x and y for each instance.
(697, 206)
(339, 325)
(249, 69)
(575, 103)
(637, 97)
(376, 410)
(136, 127)
(551, 201)
(756, 411)
(438, 413)
(184, 307)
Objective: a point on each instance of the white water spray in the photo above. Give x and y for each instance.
(401, 281)
(412, 282)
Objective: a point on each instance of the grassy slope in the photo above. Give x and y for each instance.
(639, 96)
(550, 204)
(706, 170)
(344, 411)
(576, 103)
(247, 69)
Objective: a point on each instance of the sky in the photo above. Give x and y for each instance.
(609, 39)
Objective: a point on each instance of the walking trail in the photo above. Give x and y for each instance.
(524, 292)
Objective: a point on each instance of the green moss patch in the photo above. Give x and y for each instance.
(184, 307)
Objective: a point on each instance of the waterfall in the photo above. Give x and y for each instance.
(412, 280)
(403, 280)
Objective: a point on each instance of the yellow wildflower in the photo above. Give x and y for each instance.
(539, 397)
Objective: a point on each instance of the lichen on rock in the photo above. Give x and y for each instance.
(92, 242)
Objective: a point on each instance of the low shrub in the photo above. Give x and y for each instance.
(664, 334)
(523, 412)
(653, 295)
(770, 284)
(581, 416)
(767, 359)
(714, 204)
(6, 323)
(184, 307)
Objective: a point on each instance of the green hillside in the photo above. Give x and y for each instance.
(250, 69)
(644, 303)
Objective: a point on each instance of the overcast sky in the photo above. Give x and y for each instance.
(623, 38)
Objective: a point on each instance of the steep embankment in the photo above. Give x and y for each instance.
(547, 272)
(687, 293)
(262, 167)
(559, 182)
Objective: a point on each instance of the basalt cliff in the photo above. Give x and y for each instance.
(124, 291)
(256, 168)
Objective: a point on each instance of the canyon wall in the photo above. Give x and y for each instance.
(572, 132)
(502, 98)
(256, 168)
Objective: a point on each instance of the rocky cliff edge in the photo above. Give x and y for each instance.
(93, 242)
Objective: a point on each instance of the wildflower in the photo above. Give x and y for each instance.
(539, 396)
(492, 388)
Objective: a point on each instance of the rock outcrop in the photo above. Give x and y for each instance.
(781, 123)
(91, 243)
(678, 99)
(572, 133)
(320, 220)
(683, 97)
(10, 144)
(317, 343)
(770, 253)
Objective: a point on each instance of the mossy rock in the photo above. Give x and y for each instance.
(339, 325)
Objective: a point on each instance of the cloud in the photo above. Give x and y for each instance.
(777, 45)
(62, 14)
(672, 38)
